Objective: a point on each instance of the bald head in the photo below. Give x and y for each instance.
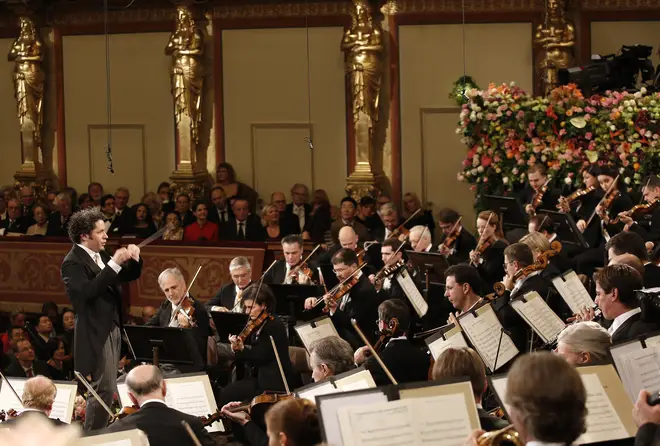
(145, 382)
(39, 394)
(148, 312)
(348, 238)
(630, 260)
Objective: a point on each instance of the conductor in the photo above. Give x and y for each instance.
(92, 279)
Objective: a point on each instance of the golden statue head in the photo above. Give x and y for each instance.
(27, 27)
(361, 13)
(184, 20)
(555, 9)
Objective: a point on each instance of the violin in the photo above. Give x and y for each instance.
(451, 238)
(402, 230)
(538, 198)
(637, 210)
(341, 290)
(387, 332)
(566, 201)
(388, 270)
(604, 210)
(262, 401)
(123, 413)
(188, 309)
(253, 325)
(302, 267)
(539, 265)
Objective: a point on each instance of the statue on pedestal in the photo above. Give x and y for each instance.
(555, 39)
(27, 54)
(186, 46)
(363, 45)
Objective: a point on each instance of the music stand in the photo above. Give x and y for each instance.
(329, 276)
(164, 344)
(228, 323)
(433, 264)
(566, 229)
(510, 210)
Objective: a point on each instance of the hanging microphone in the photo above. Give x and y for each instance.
(108, 155)
(308, 140)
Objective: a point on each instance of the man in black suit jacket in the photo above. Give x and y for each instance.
(243, 226)
(464, 362)
(38, 398)
(162, 425)
(464, 242)
(359, 303)
(537, 178)
(616, 287)
(92, 279)
(391, 221)
(292, 249)
(14, 223)
(173, 285)
(220, 212)
(296, 214)
(225, 299)
(182, 207)
(632, 243)
(25, 365)
(405, 361)
(348, 211)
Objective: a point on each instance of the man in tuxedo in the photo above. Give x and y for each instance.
(406, 362)
(26, 366)
(243, 226)
(462, 285)
(292, 249)
(92, 280)
(296, 214)
(228, 296)
(38, 398)
(14, 223)
(368, 216)
(162, 425)
(111, 219)
(220, 213)
(58, 222)
(391, 221)
(347, 210)
(632, 243)
(464, 242)
(329, 357)
(537, 177)
(182, 207)
(616, 287)
(173, 285)
(420, 238)
(359, 303)
(456, 363)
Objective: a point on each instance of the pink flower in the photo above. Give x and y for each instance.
(562, 132)
(588, 135)
(509, 113)
(587, 117)
(486, 161)
(520, 115)
(531, 126)
(486, 180)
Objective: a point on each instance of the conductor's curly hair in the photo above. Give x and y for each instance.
(83, 222)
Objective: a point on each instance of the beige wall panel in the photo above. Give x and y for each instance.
(265, 82)
(140, 89)
(608, 37)
(266, 141)
(10, 140)
(431, 60)
(127, 157)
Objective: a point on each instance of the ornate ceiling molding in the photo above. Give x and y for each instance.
(480, 6)
(619, 5)
(281, 10)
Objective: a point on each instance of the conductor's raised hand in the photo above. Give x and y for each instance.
(122, 255)
(134, 250)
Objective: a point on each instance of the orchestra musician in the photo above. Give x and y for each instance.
(349, 239)
(420, 238)
(488, 256)
(359, 303)
(616, 287)
(457, 242)
(538, 194)
(38, 398)
(173, 285)
(583, 342)
(329, 357)
(161, 424)
(253, 347)
(391, 222)
(405, 361)
(462, 285)
(646, 221)
(385, 281)
(229, 295)
(632, 243)
(92, 279)
(285, 270)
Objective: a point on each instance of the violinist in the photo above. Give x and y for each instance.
(349, 239)
(632, 243)
(457, 242)
(253, 347)
(161, 424)
(420, 239)
(385, 280)
(488, 256)
(582, 202)
(406, 362)
(462, 285)
(173, 285)
(391, 221)
(290, 269)
(229, 296)
(359, 302)
(538, 194)
(645, 219)
(38, 398)
(329, 357)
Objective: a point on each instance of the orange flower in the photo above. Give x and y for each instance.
(636, 166)
(509, 154)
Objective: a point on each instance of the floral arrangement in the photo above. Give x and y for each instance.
(506, 130)
(460, 88)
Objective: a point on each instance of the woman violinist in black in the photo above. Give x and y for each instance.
(488, 256)
(253, 348)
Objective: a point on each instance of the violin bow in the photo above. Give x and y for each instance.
(384, 268)
(190, 433)
(4, 378)
(321, 278)
(92, 392)
(336, 288)
(294, 271)
(175, 313)
(458, 222)
(279, 365)
(373, 352)
(481, 237)
(395, 232)
(609, 189)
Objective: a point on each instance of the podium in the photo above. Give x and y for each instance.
(163, 345)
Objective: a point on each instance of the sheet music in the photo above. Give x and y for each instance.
(440, 345)
(356, 381)
(499, 386)
(62, 406)
(133, 437)
(324, 388)
(643, 370)
(437, 420)
(652, 341)
(330, 413)
(619, 353)
(603, 423)
(308, 334)
(573, 292)
(412, 293)
(484, 332)
(539, 316)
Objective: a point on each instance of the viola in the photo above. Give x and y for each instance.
(637, 211)
(575, 195)
(254, 324)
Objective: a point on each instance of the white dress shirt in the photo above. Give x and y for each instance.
(96, 257)
(620, 319)
(300, 212)
(153, 400)
(520, 282)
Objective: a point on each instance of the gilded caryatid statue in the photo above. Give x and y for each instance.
(363, 45)
(27, 54)
(555, 39)
(186, 46)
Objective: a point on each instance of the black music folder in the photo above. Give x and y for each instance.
(228, 323)
(290, 299)
(566, 229)
(510, 209)
(433, 264)
(163, 345)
